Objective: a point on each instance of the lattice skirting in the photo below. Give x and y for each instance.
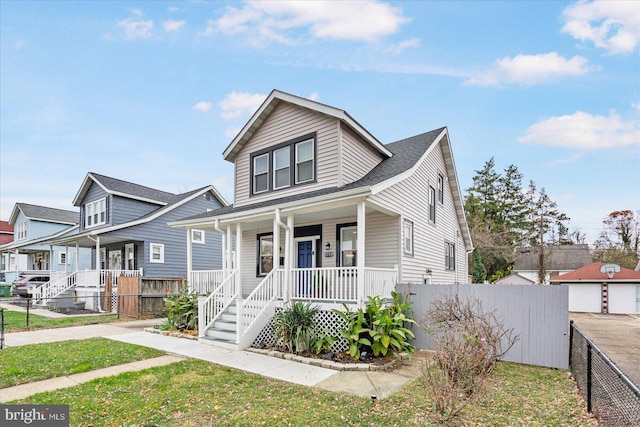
(325, 320)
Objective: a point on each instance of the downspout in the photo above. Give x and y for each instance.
(97, 240)
(216, 226)
(287, 254)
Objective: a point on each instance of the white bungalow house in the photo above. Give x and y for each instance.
(325, 212)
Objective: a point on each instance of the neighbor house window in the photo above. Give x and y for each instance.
(441, 188)
(95, 213)
(265, 254)
(407, 238)
(284, 165)
(21, 231)
(62, 258)
(348, 246)
(156, 253)
(197, 236)
(432, 204)
(449, 256)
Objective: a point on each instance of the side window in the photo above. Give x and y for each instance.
(441, 188)
(348, 240)
(265, 254)
(449, 256)
(407, 237)
(432, 204)
(156, 253)
(261, 173)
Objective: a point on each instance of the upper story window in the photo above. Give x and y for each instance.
(95, 213)
(432, 204)
(441, 188)
(21, 231)
(284, 165)
(449, 256)
(197, 236)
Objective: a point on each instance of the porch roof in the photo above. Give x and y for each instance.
(406, 153)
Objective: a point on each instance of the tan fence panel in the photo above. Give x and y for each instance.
(128, 289)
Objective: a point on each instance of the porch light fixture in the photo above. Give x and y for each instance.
(327, 246)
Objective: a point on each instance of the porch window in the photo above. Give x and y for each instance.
(281, 169)
(197, 236)
(95, 213)
(156, 253)
(261, 173)
(304, 161)
(432, 204)
(129, 256)
(449, 256)
(407, 228)
(21, 231)
(348, 246)
(265, 254)
(441, 188)
(62, 258)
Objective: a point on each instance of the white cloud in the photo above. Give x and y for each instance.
(530, 69)
(276, 21)
(405, 44)
(173, 25)
(203, 106)
(314, 96)
(584, 131)
(136, 29)
(136, 12)
(236, 104)
(610, 25)
(232, 132)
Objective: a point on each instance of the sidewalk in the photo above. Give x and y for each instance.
(363, 384)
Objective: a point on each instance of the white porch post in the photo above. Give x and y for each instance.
(16, 263)
(77, 267)
(66, 256)
(360, 261)
(238, 259)
(227, 256)
(189, 259)
(276, 244)
(288, 257)
(50, 258)
(98, 257)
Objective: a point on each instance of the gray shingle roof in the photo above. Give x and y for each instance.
(49, 214)
(568, 257)
(120, 186)
(406, 153)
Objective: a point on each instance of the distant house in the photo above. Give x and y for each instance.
(34, 226)
(124, 225)
(558, 260)
(6, 233)
(515, 279)
(591, 290)
(325, 212)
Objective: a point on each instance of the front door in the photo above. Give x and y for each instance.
(305, 260)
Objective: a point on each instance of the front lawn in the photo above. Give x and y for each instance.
(196, 393)
(34, 362)
(15, 321)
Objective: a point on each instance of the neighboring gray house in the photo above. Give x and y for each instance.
(323, 211)
(515, 279)
(124, 225)
(558, 260)
(30, 251)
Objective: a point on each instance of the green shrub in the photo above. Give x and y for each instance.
(182, 311)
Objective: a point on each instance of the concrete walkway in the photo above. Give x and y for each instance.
(363, 384)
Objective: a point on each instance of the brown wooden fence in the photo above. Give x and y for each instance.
(141, 296)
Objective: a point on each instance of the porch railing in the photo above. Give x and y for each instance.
(380, 281)
(205, 281)
(267, 291)
(54, 287)
(99, 277)
(339, 284)
(212, 306)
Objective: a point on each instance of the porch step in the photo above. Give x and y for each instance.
(231, 345)
(223, 331)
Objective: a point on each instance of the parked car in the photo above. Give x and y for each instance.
(23, 284)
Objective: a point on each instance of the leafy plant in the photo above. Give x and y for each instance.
(355, 328)
(323, 342)
(182, 311)
(295, 325)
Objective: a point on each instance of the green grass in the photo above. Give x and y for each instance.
(29, 363)
(195, 393)
(15, 321)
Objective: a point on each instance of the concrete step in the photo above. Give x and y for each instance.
(225, 325)
(231, 345)
(221, 334)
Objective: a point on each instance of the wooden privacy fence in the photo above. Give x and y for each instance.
(140, 296)
(538, 313)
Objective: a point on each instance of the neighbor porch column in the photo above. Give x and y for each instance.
(276, 246)
(238, 259)
(77, 267)
(360, 252)
(189, 258)
(66, 256)
(289, 281)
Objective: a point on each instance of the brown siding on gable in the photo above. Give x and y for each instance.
(411, 198)
(285, 123)
(358, 157)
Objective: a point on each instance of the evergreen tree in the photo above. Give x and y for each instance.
(478, 272)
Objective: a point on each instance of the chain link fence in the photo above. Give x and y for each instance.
(610, 394)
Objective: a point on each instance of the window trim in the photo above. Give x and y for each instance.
(407, 223)
(21, 231)
(161, 247)
(441, 188)
(293, 166)
(90, 213)
(200, 241)
(62, 255)
(432, 204)
(449, 256)
(259, 238)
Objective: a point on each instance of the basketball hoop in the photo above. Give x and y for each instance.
(610, 270)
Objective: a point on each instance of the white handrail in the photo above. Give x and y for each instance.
(266, 292)
(53, 288)
(212, 306)
(205, 281)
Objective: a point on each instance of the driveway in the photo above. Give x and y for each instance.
(617, 335)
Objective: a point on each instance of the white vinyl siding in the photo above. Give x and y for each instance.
(358, 157)
(285, 123)
(428, 237)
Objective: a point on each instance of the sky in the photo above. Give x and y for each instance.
(153, 92)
